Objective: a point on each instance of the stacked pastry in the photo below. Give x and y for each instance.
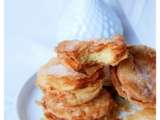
(134, 79)
(72, 83)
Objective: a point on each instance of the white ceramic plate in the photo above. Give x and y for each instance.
(27, 107)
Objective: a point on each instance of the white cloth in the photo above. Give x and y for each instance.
(30, 36)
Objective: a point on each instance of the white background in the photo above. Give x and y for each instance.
(30, 28)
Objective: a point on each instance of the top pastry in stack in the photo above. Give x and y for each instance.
(72, 83)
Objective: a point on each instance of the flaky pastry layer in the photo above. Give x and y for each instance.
(56, 75)
(74, 53)
(134, 77)
(97, 108)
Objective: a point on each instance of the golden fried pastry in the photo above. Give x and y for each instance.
(51, 116)
(95, 109)
(56, 75)
(134, 77)
(75, 53)
(75, 97)
(131, 111)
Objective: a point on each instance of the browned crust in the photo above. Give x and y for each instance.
(71, 51)
(132, 76)
(51, 116)
(107, 76)
(95, 109)
(74, 97)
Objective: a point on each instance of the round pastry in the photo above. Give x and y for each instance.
(56, 75)
(95, 109)
(74, 53)
(75, 97)
(134, 77)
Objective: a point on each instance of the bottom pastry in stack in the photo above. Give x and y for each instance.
(100, 108)
(74, 95)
